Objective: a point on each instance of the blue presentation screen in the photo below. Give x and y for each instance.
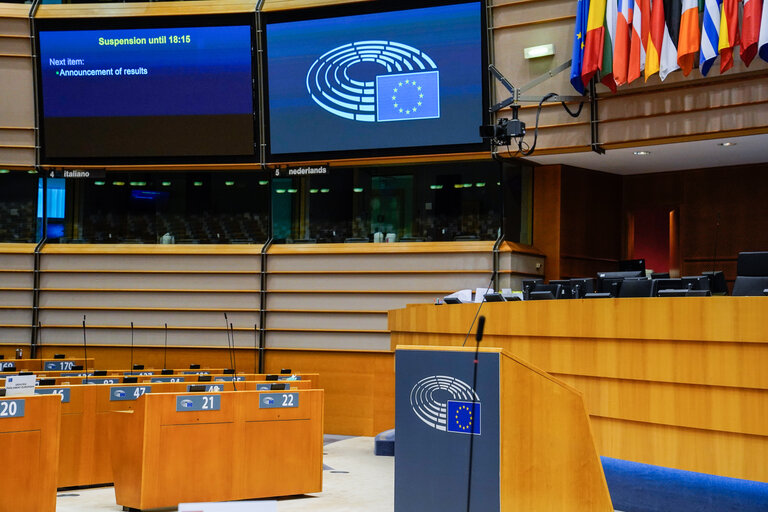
(400, 79)
(138, 92)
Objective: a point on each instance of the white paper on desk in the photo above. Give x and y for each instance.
(20, 385)
(230, 506)
(480, 293)
(463, 295)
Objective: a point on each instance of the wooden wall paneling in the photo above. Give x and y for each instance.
(359, 386)
(16, 295)
(189, 290)
(591, 222)
(307, 281)
(547, 193)
(677, 383)
(703, 451)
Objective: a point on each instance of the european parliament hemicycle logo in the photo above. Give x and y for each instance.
(446, 403)
(407, 89)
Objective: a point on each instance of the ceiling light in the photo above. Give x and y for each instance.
(642, 153)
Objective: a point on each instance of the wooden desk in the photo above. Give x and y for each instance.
(84, 450)
(161, 457)
(679, 382)
(38, 365)
(30, 448)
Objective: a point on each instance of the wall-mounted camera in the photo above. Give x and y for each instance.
(502, 133)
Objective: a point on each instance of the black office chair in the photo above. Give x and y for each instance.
(751, 274)
(528, 286)
(546, 292)
(636, 287)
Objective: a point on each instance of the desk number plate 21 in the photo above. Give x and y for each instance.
(198, 403)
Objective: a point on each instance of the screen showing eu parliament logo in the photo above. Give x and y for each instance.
(370, 81)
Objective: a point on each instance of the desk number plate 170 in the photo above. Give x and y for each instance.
(278, 400)
(198, 403)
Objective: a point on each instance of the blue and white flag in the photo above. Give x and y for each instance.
(710, 35)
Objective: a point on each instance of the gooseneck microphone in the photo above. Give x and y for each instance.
(85, 349)
(131, 367)
(165, 350)
(478, 338)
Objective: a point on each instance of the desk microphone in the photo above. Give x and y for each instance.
(233, 357)
(227, 327)
(480, 329)
(165, 351)
(85, 348)
(131, 367)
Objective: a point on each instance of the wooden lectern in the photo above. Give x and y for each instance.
(532, 446)
(200, 447)
(29, 442)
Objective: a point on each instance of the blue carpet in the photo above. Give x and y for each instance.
(636, 487)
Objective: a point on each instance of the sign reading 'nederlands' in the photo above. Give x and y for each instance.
(198, 403)
(302, 171)
(278, 400)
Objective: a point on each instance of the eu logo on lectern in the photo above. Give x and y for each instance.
(464, 417)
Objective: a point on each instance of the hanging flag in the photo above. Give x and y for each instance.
(609, 35)
(729, 33)
(688, 44)
(593, 49)
(641, 17)
(655, 39)
(710, 35)
(582, 11)
(750, 30)
(621, 45)
(763, 41)
(668, 57)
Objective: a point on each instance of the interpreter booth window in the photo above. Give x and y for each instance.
(18, 204)
(168, 208)
(405, 203)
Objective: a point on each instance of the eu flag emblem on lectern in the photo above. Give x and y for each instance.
(464, 417)
(408, 96)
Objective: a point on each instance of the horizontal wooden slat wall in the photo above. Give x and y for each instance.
(17, 102)
(17, 278)
(692, 107)
(188, 287)
(336, 296)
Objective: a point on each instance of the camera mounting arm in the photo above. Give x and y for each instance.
(516, 92)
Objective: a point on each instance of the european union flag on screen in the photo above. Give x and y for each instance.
(462, 418)
(408, 96)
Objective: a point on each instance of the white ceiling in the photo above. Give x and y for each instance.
(750, 149)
